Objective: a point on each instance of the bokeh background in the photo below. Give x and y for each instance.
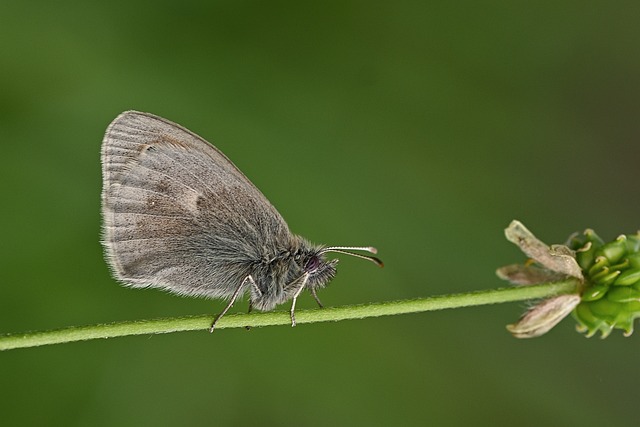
(422, 128)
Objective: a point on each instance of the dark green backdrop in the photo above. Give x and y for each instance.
(421, 128)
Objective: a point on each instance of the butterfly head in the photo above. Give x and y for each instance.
(320, 271)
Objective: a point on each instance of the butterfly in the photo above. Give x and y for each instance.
(178, 215)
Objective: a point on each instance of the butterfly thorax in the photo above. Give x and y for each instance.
(278, 276)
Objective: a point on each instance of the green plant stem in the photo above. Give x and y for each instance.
(203, 322)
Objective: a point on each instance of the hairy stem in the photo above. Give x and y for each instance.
(332, 314)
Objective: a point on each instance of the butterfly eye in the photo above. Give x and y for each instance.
(312, 264)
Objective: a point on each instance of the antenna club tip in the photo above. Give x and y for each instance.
(372, 250)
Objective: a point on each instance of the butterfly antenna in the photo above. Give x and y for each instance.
(346, 251)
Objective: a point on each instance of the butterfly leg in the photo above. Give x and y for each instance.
(248, 328)
(258, 293)
(255, 288)
(295, 297)
(231, 301)
(315, 297)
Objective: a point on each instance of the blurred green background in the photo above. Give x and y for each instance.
(422, 128)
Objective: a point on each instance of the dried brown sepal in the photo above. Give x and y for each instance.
(558, 258)
(544, 316)
(522, 275)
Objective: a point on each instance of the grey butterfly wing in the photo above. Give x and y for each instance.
(177, 213)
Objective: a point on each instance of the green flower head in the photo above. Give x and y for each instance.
(608, 276)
